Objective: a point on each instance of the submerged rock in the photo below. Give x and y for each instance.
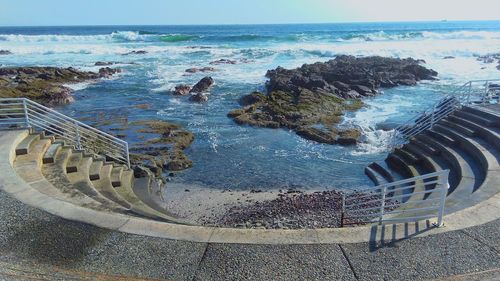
(103, 63)
(203, 69)
(223, 61)
(45, 84)
(203, 85)
(490, 58)
(163, 151)
(199, 97)
(138, 52)
(312, 99)
(5, 52)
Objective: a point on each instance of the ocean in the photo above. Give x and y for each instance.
(230, 156)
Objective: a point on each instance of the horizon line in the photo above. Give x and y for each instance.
(243, 24)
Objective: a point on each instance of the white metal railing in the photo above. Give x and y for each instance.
(24, 113)
(472, 92)
(408, 200)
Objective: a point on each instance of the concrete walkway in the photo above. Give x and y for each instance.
(37, 245)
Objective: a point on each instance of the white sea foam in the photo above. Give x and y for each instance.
(78, 86)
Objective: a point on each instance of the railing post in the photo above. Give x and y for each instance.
(485, 95)
(469, 92)
(444, 186)
(432, 116)
(127, 154)
(26, 117)
(382, 205)
(78, 137)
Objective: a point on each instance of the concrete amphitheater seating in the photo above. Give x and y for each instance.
(466, 142)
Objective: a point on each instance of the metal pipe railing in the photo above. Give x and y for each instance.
(464, 95)
(380, 205)
(82, 136)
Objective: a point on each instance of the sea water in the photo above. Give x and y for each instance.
(227, 155)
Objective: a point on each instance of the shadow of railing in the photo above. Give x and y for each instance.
(388, 235)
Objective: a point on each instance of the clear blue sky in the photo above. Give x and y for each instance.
(128, 12)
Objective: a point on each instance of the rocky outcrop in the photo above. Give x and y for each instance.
(312, 99)
(107, 72)
(163, 151)
(5, 52)
(203, 85)
(490, 58)
(45, 84)
(198, 91)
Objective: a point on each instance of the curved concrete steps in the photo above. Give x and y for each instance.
(72, 176)
(104, 186)
(468, 144)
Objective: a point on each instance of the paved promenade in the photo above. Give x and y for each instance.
(37, 245)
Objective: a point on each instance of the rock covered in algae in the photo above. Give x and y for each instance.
(312, 99)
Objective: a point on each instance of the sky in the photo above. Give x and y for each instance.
(158, 12)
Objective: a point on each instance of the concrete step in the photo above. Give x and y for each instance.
(95, 170)
(116, 175)
(419, 141)
(478, 149)
(439, 136)
(407, 156)
(55, 173)
(492, 135)
(34, 158)
(382, 171)
(73, 161)
(104, 187)
(376, 178)
(50, 154)
(474, 118)
(456, 126)
(428, 163)
(484, 113)
(398, 164)
(137, 206)
(24, 146)
(142, 188)
(465, 174)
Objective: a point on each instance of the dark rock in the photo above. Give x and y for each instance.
(203, 69)
(317, 135)
(448, 57)
(104, 63)
(203, 85)
(138, 52)
(182, 90)
(107, 72)
(199, 97)
(5, 52)
(140, 172)
(223, 61)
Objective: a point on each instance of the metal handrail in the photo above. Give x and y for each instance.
(464, 95)
(82, 136)
(385, 203)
